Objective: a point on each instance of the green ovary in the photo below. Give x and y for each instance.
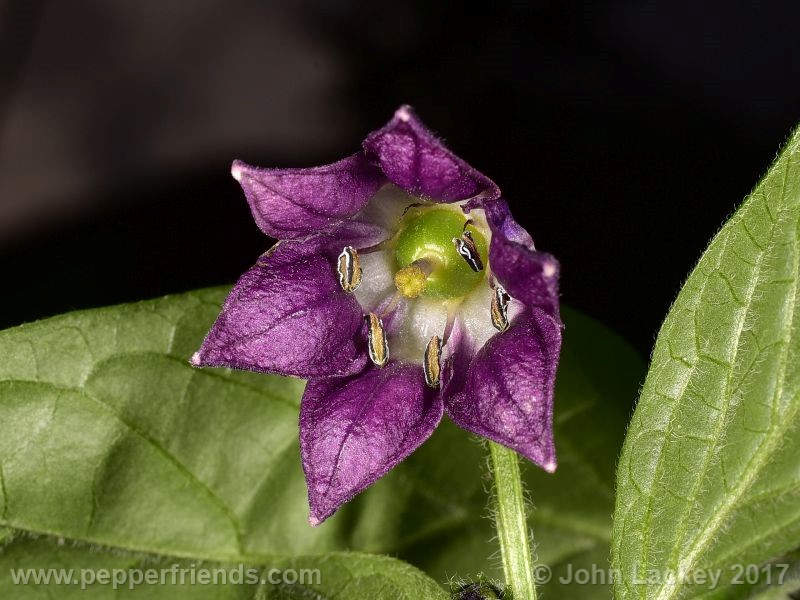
(429, 237)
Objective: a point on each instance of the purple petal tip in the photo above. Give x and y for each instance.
(404, 113)
(550, 268)
(236, 170)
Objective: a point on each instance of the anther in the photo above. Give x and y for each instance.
(376, 340)
(466, 247)
(349, 269)
(499, 310)
(432, 362)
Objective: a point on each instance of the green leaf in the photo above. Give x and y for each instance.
(108, 437)
(776, 580)
(788, 588)
(709, 473)
(334, 576)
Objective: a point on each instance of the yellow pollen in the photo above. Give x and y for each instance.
(410, 281)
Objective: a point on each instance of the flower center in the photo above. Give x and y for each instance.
(431, 264)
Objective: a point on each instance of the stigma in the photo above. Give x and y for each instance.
(411, 281)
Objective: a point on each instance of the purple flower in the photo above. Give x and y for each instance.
(402, 288)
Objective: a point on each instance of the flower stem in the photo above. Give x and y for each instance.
(512, 527)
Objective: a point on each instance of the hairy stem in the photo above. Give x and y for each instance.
(512, 527)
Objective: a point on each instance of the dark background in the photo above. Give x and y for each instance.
(623, 133)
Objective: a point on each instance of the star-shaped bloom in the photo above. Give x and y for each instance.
(401, 288)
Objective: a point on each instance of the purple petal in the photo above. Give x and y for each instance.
(352, 431)
(288, 315)
(529, 276)
(413, 158)
(507, 392)
(500, 220)
(291, 203)
(356, 232)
